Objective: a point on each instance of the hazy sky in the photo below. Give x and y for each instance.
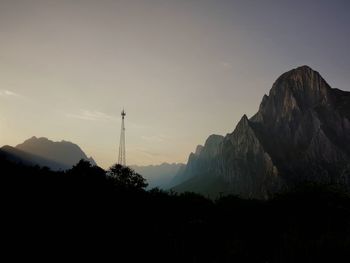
(182, 69)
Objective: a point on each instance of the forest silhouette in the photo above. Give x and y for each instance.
(87, 211)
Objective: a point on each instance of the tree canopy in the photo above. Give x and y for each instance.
(126, 177)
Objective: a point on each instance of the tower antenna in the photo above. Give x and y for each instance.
(121, 157)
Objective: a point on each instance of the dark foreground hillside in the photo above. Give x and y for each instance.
(83, 214)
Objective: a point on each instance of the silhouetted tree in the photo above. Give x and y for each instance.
(125, 177)
(85, 169)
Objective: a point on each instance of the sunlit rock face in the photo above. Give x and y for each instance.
(300, 133)
(303, 125)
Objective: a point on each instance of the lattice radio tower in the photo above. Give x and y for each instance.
(121, 157)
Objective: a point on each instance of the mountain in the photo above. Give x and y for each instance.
(159, 175)
(300, 133)
(44, 152)
(15, 155)
(198, 162)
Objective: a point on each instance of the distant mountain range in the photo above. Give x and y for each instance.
(63, 155)
(159, 175)
(44, 152)
(300, 133)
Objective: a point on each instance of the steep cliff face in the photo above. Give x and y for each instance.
(245, 165)
(300, 133)
(304, 125)
(202, 161)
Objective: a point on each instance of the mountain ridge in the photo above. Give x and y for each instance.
(18, 156)
(41, 151)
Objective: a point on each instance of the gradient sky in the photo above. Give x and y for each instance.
(182, 69)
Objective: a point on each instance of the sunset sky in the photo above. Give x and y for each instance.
(182, 69)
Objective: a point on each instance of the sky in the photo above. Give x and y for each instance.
(182, 69)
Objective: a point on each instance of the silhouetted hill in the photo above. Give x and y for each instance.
(44, 152)
(159, 175)
(17, 156)
(300, 133)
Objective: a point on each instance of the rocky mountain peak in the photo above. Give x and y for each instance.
(213, 140)
(300, 133)
(244, 121)
(304, 85)
(243, 127)
(199, 149)
(292, 95)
